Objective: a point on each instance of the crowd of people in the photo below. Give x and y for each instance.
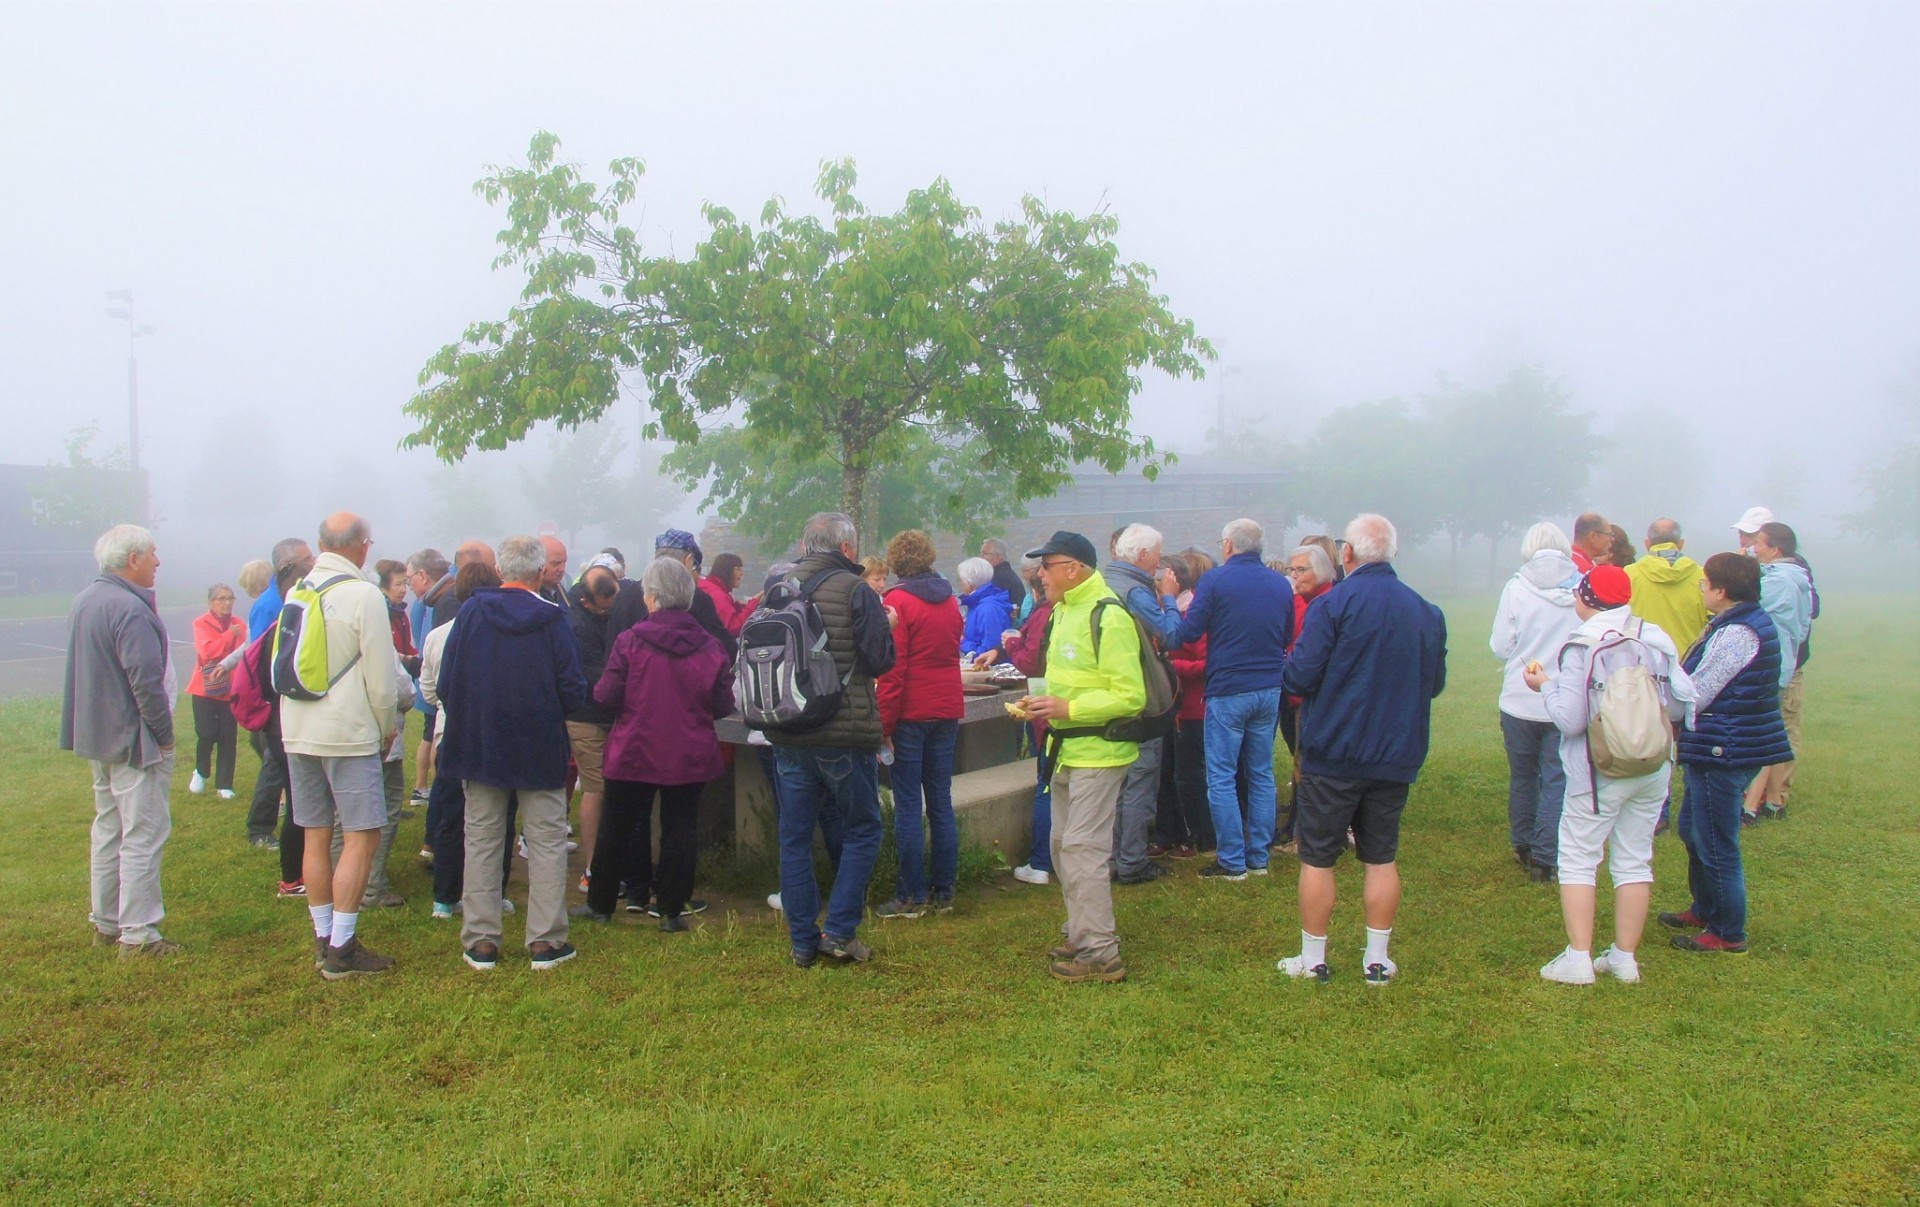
(1158, 685)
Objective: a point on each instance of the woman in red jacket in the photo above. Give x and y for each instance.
(720, 584)
(920, 710)
(1188, 831)
(216, 634)
(1311, 572)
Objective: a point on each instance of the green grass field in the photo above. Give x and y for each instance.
(705, 1068)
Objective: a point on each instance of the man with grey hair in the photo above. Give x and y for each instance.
(1245, 612)
(117, 713)
(1149, 592)
(553, 573)
(1367, 671)
(1592, 540)
(508, 676)
(336, 746)
(999, 555)
(831, 771)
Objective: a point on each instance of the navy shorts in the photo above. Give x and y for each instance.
(1325, 808)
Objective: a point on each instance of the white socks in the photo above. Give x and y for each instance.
(322, 920)
(1313, 949)
(1377, 946)
(343, 925)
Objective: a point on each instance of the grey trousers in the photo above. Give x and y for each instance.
(1082, 841)
(1133, 817)
(543, 823)
(393, 779)
(131, 822)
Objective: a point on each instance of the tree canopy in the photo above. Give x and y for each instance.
(838, 343)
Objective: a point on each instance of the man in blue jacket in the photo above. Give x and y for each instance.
(508, 678)
(1245, 611)
(1367, 670)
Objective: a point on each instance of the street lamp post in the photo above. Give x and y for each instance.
(135, 330)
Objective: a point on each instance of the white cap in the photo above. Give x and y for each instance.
(1751, 521)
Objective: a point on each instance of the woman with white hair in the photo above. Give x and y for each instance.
(988, 606)
(1533, 622)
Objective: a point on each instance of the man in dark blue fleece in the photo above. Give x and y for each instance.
(1367, 670)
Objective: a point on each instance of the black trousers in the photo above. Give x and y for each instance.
(623, 850)
(270, 790)
(447, 804)
(215, 734)
(1189, 749)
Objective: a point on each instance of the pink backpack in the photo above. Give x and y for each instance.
(253, 697)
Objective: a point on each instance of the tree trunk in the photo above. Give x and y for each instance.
(853, 496)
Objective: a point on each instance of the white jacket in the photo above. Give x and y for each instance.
(432, 650)
(1565, 697)
(359, 709)
(1534, 620)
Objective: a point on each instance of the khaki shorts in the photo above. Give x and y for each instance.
(589, 744)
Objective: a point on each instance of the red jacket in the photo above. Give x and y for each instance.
(1300, 605)
(213, 639)
(924, 684)
(1025, 652)
(733, 613)
(1190, 663)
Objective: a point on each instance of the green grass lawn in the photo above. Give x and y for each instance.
(705, 1068)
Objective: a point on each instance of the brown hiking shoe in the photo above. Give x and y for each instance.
(105, 940)
(319, 953)
(1062, 952)
(154, 948)
(1075, 971)
(352, 960)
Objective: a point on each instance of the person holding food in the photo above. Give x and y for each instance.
(920, 709)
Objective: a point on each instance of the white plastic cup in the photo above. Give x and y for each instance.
(1036, 686)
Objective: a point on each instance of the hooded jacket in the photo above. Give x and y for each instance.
(989, 614)
(1367, 670)
(1666, 592)
(510, 674)
(1786, 592)
(358, 710)
(1534, 620)
(1569, 701)
(924, 684)
(666, 681)
(630, 607)
(594, 636)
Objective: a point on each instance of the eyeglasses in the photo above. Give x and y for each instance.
(1299, 569)
(1056, 563)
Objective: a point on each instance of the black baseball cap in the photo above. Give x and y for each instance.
(1072, 544)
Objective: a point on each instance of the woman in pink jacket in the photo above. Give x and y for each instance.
(216, 634)
(720, 586)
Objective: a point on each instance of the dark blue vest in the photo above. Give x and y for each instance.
(1742, 728)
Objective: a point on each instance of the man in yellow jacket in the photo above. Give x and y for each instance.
(1666, 586)
(1090, 681)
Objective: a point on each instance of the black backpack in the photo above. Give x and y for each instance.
(786, 679)
(1161, 713)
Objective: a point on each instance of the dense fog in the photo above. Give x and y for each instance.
(1698, 219)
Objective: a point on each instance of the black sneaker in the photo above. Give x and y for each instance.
(695, 906)
(1147, 875)
(1773, 812)
(640, 905)
(1381, 973)
(847, 951)
(353, 960)
(589, 913)
(804, 959)
(898, 908)
(419, 796)
(1748, 819)
(483, 956)
(548, 955)
(1541, 873)
(677, 924)
(1522, 855)
(1219, 871)
(942, 903)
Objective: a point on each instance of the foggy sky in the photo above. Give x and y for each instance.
(1705, 208)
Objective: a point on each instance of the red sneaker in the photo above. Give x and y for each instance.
(1705, 941)
(296, 888)
(1686, 919)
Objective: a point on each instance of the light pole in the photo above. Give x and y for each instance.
(135, 330)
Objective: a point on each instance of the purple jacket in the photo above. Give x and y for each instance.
(668, 680)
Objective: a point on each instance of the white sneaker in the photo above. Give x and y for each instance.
(226, 794)
(1622, 964)
(1570, 968)
(197, 784)
(1296, 967)
(520, 847)
(506, 906)
(773, 900)
(1026, 873)
(1380, 972)
(572, 846)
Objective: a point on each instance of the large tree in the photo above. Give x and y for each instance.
(824, 337)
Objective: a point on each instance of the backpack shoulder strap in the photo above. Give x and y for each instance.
(813, 584)
(1099, 607)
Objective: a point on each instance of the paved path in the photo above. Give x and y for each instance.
(33, 653)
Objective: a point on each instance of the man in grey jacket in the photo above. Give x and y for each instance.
(117, 713)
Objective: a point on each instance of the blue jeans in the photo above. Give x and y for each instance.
(816, 784)
(1710, 828)
(923, 764)
(1239, 737)
(1536, 787)
(1040, 856)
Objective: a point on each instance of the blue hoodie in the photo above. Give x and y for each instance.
(509, 676)
(989, 614)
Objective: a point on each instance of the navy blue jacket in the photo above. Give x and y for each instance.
(1742, 727)
(1245, 611)
(1367, 669)
(509, 676)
